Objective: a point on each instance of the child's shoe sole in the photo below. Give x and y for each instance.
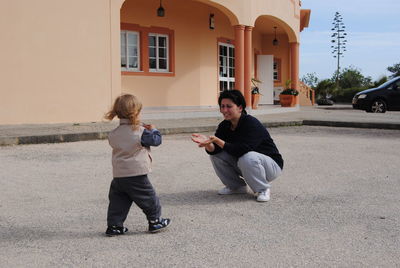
(110, 232)
(165, 223)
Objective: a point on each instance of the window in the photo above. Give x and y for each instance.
(396, 85)
(226, 66)
(277, 70)
(158, 52)
(147, 51)
(130, 51)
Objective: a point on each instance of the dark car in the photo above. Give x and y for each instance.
(384, 98)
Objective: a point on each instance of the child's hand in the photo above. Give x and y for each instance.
(149, 126)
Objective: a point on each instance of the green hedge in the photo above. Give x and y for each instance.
(345, 95)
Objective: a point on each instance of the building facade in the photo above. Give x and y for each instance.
(66, 61)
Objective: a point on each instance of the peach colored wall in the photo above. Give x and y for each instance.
(281, 51)
(115, 25)
(263, 44)
(55, 61)
(247, 12)
(196, 73)
(196, 76)
(61, 59)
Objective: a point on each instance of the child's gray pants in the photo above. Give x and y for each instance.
(252, 168)
(124, 191)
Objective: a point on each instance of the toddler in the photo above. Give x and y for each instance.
(131, 162)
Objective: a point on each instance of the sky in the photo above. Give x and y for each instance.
(373, 37)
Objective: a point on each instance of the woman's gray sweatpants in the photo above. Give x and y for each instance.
(252, 168)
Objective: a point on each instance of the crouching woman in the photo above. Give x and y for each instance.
(242, 151)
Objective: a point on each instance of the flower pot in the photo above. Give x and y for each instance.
(287, 100)
(255, 99)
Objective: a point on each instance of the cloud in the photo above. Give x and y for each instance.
(353, 7)
(374, 39)
(320, 40)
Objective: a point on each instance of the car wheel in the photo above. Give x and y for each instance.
(378, 106)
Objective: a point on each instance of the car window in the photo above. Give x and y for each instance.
(395, 85)
(388, 83)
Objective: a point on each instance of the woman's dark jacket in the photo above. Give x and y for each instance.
(249, 135)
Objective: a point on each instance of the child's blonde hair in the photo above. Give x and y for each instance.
(126, 106)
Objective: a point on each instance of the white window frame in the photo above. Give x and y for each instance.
(229, 80)
(276, 68)
(126, 33)
(157, 57)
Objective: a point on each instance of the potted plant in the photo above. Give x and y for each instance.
(288, 97)
(255, 93)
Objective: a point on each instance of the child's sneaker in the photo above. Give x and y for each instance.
(116, 230)
(158, 224)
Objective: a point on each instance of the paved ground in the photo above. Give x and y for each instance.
(336, 205)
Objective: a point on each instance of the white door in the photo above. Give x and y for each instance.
(265, 73)
(226, 66)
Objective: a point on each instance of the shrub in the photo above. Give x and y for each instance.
(290, 91)
(345, 95)
(324, 101)
(324, 88)
(255, 90)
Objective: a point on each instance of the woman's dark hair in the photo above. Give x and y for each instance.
(235, 96)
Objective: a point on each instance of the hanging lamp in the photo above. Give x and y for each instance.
(275, 42)
(160, 11)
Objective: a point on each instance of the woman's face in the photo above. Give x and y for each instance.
(230, 110)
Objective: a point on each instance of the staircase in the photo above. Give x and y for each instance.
(306, 95)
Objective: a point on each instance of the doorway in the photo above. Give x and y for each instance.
(226, 75)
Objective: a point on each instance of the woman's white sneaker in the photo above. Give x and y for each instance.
(264, 196)
(226, 190)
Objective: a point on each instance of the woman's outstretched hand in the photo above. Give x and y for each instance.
(201, 139)
(207, 142)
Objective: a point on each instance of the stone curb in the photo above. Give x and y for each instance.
(86, 136)
(351, 124)
(53, 138)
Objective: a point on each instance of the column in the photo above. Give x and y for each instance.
(294, 66)
(248, 56)
(239, 57)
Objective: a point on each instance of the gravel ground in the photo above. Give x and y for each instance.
(337, 204)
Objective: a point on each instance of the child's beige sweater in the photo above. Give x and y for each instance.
(129, 157)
